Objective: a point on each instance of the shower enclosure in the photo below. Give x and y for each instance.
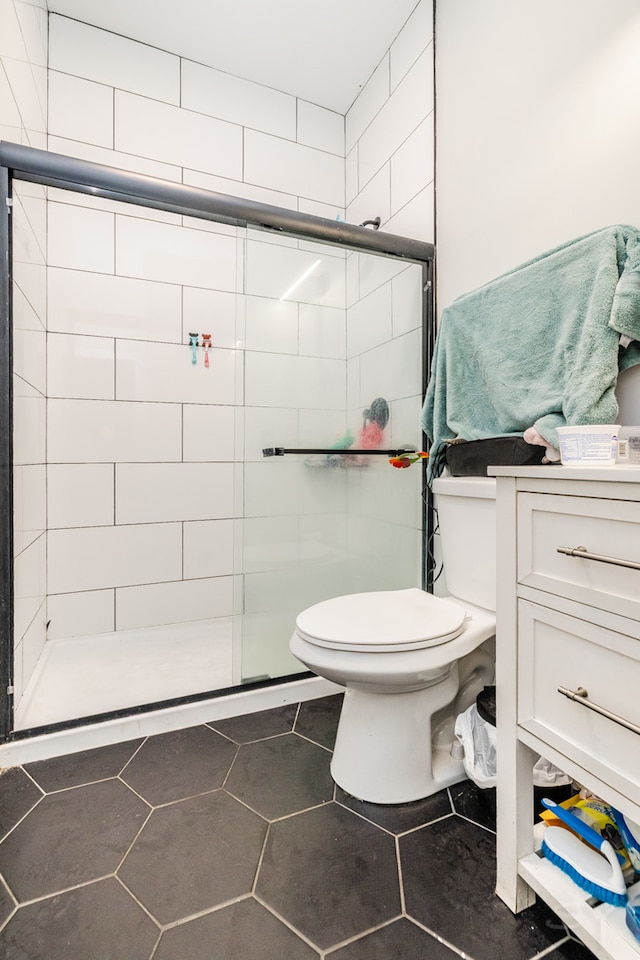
(185, 375)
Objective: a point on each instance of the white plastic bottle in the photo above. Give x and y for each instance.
(629, 445)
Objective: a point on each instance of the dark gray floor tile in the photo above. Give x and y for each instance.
(7, 904)
(241, 931)
(398, 818)
(18, 794)
(87, 766)
(318, 719)
(448, 871)
(571, 949)
(71, 837)
(100, 921)
(179, 764)
(257, 726)
(194, 855)
(330, 874)
(400, 939)
(474, 804)
(280, 776)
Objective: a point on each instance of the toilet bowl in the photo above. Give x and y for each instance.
(396, 653)
(410, 662)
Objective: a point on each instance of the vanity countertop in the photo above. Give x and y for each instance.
(617, 472)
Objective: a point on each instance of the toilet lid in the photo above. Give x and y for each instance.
(383, 621)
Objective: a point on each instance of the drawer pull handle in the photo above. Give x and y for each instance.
(580, 695)
(584, 553)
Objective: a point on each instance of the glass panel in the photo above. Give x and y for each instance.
(333, 359)
(159, 553)
(29, 435)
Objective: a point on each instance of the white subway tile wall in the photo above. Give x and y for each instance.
(144, 506)
(82, 51)
(390, 173)
(23, 111)
(29, 504)
(152, 129)
(81, 109)
(81, 614)
(238, 101)
(288, 166)
(182, 601)
(80, 494)
(104, 305)
(93, 558)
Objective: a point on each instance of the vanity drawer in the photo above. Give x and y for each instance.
(556, 650)
(604, 528)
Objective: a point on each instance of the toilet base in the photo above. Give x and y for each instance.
(383, 751)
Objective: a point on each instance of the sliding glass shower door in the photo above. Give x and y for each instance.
(167, 370)
(333, 347)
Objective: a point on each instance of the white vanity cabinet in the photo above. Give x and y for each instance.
(568, 670)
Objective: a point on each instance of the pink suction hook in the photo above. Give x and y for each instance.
(206, 343)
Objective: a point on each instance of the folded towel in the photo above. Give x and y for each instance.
(539, 346)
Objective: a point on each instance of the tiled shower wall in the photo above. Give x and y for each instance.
(23, 109)
(390, 173)
(125, 104)
(168, 496)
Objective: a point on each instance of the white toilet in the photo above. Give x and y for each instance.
(411, 661)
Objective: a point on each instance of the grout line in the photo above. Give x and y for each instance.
(286, 923)
(436, 936)
(142, 826)
(554, 946)
(173, 924)
(260, 859)
(135, 899)
(359, 936)
(232, 764)
(403, 905)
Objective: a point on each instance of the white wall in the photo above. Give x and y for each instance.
(389, 136)
(538, 135)
(23, 71)
(126, 288)
(390, 174)
(23, 98)
(114, 308)
(129, 105)
(122, 103)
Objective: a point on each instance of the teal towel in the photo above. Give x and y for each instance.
(538, 346)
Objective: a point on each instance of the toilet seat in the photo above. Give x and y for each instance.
(382, 622)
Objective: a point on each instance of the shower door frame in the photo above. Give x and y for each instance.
(28, 164)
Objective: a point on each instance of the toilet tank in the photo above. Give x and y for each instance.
(467, 527)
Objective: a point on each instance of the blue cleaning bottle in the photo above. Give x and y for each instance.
(632, 915)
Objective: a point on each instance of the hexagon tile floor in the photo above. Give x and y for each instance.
(230, 841)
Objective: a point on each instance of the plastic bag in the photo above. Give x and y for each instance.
(478, 739)
(546, 775)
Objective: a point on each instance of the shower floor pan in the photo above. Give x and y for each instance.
(82, 676)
